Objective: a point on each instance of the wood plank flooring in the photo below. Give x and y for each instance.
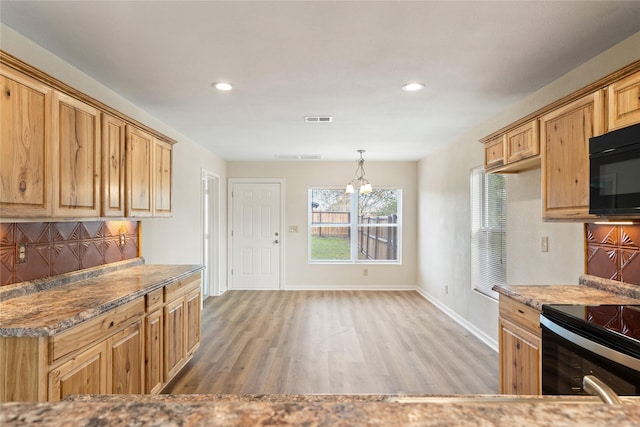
(339, 342)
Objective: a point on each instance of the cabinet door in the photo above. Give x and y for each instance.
(139, 161)
(522, 142)
(193, 321)
(84, 374)
(174, 337)
(565, 137)
(126, 361)
(623, 102)
(494, 153)
(153, 352)
(113, 166)
(519, 360)
(162, 166)
(76, 158)
(25, 179)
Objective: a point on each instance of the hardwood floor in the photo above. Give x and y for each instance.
(339, 342)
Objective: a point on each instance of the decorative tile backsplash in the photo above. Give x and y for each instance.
(34, 250)
(613, 252)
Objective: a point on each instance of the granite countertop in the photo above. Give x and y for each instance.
(49, 306)
(590, 290)
(310, 410)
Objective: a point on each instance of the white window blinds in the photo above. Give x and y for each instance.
(488, 231)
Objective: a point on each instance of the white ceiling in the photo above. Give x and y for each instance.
(346, 59)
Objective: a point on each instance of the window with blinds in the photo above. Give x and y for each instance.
(488, 231)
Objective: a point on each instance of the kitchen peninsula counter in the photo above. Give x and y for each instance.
(46, 307)
(590, 290)
(316, 410)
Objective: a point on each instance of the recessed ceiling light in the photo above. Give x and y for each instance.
(412, 87)
(223, 86)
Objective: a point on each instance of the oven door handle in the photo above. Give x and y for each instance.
(592, 346)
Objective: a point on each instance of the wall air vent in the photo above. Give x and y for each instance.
(318, 119)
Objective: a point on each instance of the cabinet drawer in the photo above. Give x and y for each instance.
(521, 314)
(181, 287)
(153, 300)
(95, 329)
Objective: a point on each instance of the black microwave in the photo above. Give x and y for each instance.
(614, 167)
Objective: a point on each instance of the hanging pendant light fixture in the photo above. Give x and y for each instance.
(359, 181)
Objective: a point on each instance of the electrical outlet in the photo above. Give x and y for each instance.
(21, 250)
(365, 272)
(544, 244)
(122, 240)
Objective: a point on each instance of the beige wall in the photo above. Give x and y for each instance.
(176, 240)
(299, 177)
(443, 211)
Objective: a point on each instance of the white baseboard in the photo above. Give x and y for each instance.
(461, 321)
(327, 287)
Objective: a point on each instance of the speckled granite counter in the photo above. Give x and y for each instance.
(47, 307)
(590, 290)
(203, 410)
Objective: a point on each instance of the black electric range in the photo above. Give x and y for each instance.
(599, 340)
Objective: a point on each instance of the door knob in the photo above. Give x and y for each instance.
(276, 241)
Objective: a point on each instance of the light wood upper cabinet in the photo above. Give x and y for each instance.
(515, 150)
(163, 177)
(623, 102)
(139, 173)
(564, 135)
(494, 153)
(76, 158)
(113, 166)
(522, 142)
(25, 178)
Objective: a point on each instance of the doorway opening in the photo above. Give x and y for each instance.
(211, 234)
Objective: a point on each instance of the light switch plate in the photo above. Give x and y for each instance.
(544, 244)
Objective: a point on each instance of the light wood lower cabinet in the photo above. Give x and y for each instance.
(135, 348)
(85, 373)
(126, 361)
(154, 348)
(520, 348)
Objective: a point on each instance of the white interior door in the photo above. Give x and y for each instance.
(255, 236)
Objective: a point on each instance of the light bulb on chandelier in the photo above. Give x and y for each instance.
(360, 182)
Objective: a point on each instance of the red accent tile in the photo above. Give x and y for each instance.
(65, 231)
(630, 266)
(112, 228)
(7, 265)
(37, 265)
(33, 232)
(91, 253)
(112, 252)
(630, 235)
(65, 257)
(130, 249)
(602, 234)
(91, 230)
(602, 262)
(7, 234)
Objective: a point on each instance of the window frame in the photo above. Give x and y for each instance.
(487, 268)
(354, 228)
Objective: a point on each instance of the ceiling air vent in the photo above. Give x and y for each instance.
(318, 119)
(299, 156)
